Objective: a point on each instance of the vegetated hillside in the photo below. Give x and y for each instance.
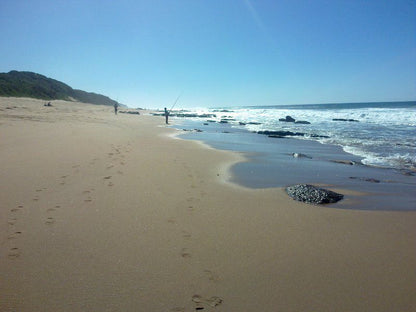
(33, 85)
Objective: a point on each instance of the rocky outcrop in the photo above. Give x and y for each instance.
(280, 133)
(342, 119)
(372, 180)
(312, 194)
(344, 162)
(130, 112)
(287, 119)
(283, 134)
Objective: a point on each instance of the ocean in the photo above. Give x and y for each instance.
(380, 137)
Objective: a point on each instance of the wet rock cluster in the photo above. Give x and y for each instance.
(130, 112)
(343, 119)
(312, 194)
(282, 134)
(291, 119)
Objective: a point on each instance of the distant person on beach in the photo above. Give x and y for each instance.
(115, 108)
(166, 115)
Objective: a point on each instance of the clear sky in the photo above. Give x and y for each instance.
(217, 52)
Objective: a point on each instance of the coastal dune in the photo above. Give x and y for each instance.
(101, 212)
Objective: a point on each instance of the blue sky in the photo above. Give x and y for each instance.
(217, 52)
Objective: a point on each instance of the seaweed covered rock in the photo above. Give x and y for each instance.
(312, 194)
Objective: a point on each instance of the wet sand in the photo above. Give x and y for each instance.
(110, 213)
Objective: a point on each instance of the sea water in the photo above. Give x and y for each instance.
(382, 134)
(380, 137)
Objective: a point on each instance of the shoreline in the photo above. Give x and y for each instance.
(102, 212)
(269, 163)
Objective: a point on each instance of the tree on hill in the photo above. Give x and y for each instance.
(33, 85)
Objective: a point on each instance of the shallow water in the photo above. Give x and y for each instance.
(271, 164)
(382, 134)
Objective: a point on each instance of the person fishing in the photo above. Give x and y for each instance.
(115, 108)
(166, 115)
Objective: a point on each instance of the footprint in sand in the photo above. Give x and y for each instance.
(14, 253)
(185, 254)
(110, 184)
(212, 302)
(178, 309)
(14, 235)
(50, 210)
(50, 221)
(107, 177)
(186, 234)
(213, 277)
(12, 221)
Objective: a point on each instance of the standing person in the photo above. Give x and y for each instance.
(166, 116)
(115, 108)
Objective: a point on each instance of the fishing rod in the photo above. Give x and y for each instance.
(176, 101)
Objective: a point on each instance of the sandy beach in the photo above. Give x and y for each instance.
(112, 213)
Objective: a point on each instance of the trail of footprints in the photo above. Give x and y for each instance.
(14, 233)
(117, 158)
(16, 213)
(200, 302)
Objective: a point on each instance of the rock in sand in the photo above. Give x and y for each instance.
(312, 194)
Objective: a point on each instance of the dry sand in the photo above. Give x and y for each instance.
(110, 213)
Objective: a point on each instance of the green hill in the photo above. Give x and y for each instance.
(28, 84)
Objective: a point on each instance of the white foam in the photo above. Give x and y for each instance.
(374, 137)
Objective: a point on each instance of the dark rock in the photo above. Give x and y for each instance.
(222, 111)
(366, 179)
(303, 122)
(224, 121)
(130, 112)
(211, 120)
(254, 123)
(287, 119)
(342, 119)
(312, 194)
(280, 133)
(242, 123)
(187, 115)
(408, 172)
(206, 124)
(344, 162)
(318, 136)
